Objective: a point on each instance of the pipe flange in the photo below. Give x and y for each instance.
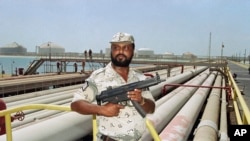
(209, 123)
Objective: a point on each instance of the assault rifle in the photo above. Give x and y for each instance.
(119, 94)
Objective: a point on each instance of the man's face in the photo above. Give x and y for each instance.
(122, 54)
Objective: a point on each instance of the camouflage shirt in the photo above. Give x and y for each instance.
(128, 125)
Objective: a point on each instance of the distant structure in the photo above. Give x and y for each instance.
(168, 55)
(144, 52)
(107, 51)
(13, 49)
(189, 55)
(50, 48)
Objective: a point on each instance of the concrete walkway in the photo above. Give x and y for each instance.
(243, 78)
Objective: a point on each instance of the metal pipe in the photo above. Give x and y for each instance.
(207, 129)
(70, 126)
(37, 115)
(181, 125)
(44, 99)
(172, 106)
(157, 89)
(172, 93)
(37, 94)
(223, 116)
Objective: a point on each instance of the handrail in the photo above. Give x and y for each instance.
(149, 125)
(245, 118)
(7, 113)
(152, 130)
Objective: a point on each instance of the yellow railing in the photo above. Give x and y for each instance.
(7, 113)
(240, 107)
(149, 124)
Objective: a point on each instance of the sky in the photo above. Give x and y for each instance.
(173, 26)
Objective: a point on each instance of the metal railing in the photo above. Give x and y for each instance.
(7, 114)
(240, 107)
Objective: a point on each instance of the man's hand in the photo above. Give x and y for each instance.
(135, 95)
(110, 109)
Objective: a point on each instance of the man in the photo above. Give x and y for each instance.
(116, 121)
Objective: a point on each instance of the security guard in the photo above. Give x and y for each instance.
(116, 121)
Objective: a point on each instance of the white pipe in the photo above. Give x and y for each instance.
(207, 129)
(223, 116)
(62, 130)
(166, 111)
(69, 127)
(61, 102)
(37, 115)
(177, 90)
(39, 93)
(44, 99)
(181, 125)
(156, 90)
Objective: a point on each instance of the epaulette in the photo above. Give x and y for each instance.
(139, 74)
(98, 71)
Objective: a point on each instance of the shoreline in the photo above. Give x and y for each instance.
(18, 56)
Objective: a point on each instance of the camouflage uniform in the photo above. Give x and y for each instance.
(128, 125)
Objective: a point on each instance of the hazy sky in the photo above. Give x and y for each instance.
(174, 26)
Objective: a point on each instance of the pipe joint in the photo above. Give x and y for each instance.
(215, 94)
(209, 123)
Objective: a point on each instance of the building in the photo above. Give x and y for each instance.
(13, 49)
(189, 55)
(144, 52)
(107, 52)
(168, 55)
(50, 48)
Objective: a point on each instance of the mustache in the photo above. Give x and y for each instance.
(121, 55)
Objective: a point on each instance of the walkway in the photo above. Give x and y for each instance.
(243, 78)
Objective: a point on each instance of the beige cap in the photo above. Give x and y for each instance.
(122, 37)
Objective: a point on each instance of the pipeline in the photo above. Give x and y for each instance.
(44, 99)
(46, 96)
(69, 126)
(177, 90)
(63, 127)
(157, 89)
(39, 115)
(180, 126)
(207, 129)
(172, 106)
(223, 115)
(37, 94)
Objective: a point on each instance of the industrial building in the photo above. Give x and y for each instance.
(50, 48)
(144, 52)
(141, 52)
(168, 55)
(189, 55)
(13, 49)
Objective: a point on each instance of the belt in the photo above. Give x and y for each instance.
(106, 138)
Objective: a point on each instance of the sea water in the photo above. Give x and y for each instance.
(11, 65)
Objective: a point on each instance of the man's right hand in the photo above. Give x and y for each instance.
(110, 109)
